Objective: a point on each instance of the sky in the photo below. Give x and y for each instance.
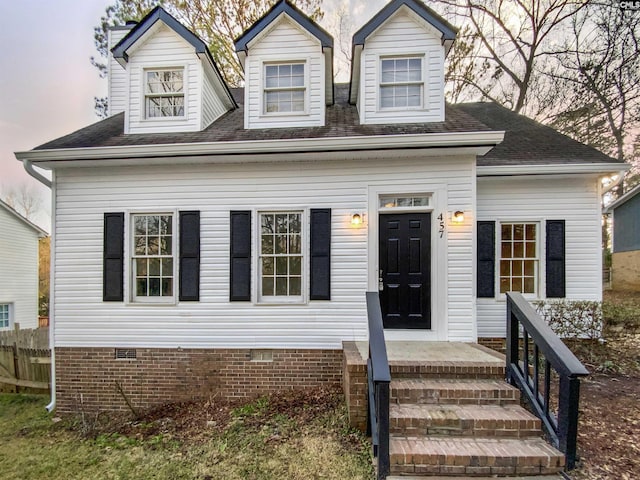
(47, 82)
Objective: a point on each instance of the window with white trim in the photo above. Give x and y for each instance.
(153, 257)
(281, 260)
(164, 93)
(5, 315)
(519, 257)
(284, 88)
(401, 82)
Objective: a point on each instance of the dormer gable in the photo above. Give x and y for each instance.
(397, 70)
(171, 82)
(288, 63)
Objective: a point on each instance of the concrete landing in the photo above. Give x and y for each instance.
(434, 352)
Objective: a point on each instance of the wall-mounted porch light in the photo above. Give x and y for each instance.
(357, 219)
(458, 216)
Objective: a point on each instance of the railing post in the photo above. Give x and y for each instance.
(568, 403)
(512, 341)
(384, 464)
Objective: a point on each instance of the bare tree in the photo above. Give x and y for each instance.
(600, 64)
(511, 39)
(24, 199)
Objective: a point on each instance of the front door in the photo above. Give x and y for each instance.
(405, 270)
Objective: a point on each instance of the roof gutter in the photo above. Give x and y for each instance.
(45, 181)
(279, 146)
(549, 169)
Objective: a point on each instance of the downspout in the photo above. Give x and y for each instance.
(51, 184)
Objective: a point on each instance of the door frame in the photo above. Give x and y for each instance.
(437, 207)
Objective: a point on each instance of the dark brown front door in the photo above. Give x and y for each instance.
(405, 270)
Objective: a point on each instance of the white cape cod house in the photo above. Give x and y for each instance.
(18, 270)
(215, 240)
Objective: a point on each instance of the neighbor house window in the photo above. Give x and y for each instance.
(284, 88)
(519, 262)
(281, 259)
(401, 82)
(5, 318)
(164, 93)
(153, 257)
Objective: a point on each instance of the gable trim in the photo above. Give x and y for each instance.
(447, 30)
(119, 51)
(242, 42)
(623, 199)
(41, 233)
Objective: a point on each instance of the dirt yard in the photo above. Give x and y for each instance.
(609, 432)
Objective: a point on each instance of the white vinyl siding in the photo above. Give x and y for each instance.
(285, 42)
(212, 106)
(117, 76)
(402, 36)
(19, 269)
(164, 50)
(84, 195)
(573, 199)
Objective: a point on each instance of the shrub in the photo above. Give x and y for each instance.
(572, 318)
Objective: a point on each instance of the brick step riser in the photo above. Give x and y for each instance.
(466, 428)
(472, 471)
(457, 376)
(505, 397)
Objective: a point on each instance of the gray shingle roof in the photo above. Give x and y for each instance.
(526, 141)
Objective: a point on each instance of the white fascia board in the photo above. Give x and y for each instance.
(549, 169)
(478, 143)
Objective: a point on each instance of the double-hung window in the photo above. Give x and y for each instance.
(401, 82)
(164, 93)
(281, 257)
(284, 88)
(5, 316)
(519, 258)
(152, 257)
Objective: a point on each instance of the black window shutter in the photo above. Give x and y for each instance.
(240, 267)
(113, 258)
(320, 281)
(189, 256)
(555, 265)
(486, 260)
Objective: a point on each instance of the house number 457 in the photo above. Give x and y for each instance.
(441, 225)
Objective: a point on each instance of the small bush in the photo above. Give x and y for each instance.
(572, 318)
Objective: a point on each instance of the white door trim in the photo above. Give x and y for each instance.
(437, 207)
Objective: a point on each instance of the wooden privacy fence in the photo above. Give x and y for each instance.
(25, 360)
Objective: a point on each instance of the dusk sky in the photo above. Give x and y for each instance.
(47, 83)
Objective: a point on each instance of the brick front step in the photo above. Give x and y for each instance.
(458, 391)
(469, 420)
(473, 456)
(407, 369)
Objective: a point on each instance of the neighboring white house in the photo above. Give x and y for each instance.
(19, 269)
(209, 241)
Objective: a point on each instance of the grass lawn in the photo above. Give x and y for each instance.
(287, 436)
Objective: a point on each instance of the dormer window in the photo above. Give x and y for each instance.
(401, 82)
(164, 93)
(284, 88)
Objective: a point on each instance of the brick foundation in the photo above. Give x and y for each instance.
(498, 344)
(355, 385)
(92, 379)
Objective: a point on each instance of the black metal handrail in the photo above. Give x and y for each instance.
(562, 428)
(379, 377)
